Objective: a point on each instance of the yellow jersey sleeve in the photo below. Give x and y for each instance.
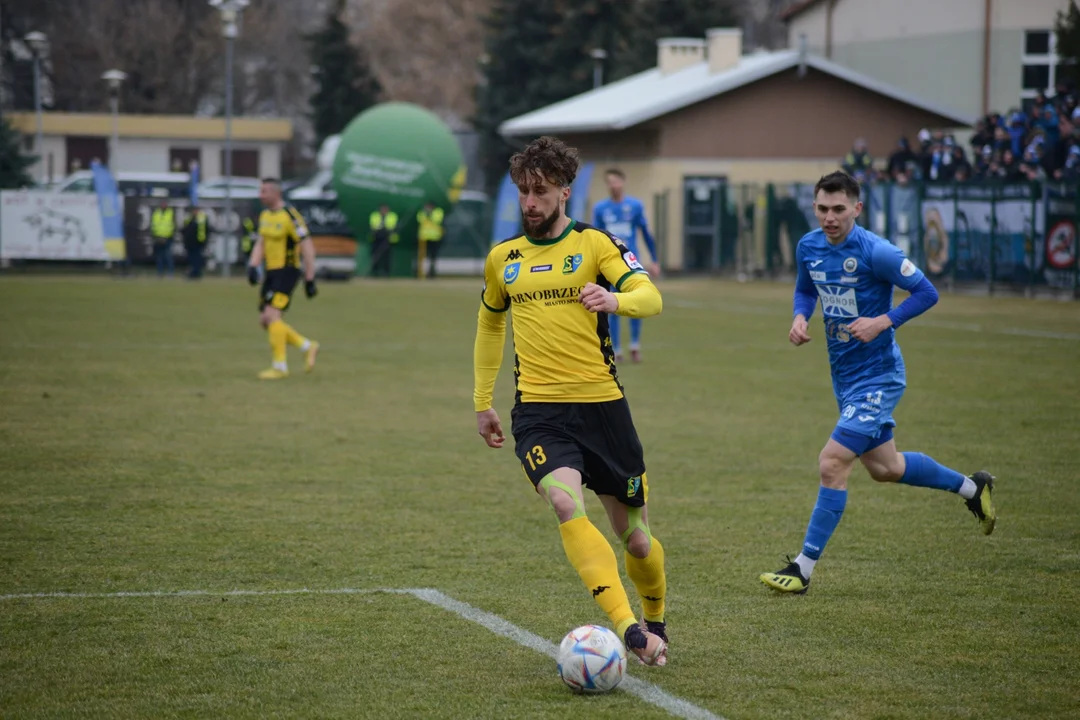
(494, 296)
(490, 337)
(638, 297)
(299, 227)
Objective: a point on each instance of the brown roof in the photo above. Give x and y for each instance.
(797, 9)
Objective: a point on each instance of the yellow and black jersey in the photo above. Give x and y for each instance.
(563, 351)
(282, 231)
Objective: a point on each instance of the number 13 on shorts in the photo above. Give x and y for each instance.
(536, 457)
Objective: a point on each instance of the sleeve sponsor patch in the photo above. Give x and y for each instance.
(631, 261)
(907, 268)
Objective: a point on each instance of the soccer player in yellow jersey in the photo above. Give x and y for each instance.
(282, 240)
(570, 421)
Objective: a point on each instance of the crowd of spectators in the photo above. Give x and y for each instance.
(1040, 144)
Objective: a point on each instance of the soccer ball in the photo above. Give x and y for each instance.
(591, 659)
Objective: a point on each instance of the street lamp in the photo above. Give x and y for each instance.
(114, 78)
(38, 45)
(230, 13)
(598, 55)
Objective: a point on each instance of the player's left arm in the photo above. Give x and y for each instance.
(635, 295)
(890, 265)
(307, 250)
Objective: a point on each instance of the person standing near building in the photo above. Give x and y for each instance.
(383, 223)
(622, 216)
(162, 229)
(430, 233)
(196, 233)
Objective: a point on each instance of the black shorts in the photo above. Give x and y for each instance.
(278, 286)
(596, 439)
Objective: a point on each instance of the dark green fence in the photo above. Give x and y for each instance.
(1017, 235)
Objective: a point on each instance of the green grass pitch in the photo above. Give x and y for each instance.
(138, 452)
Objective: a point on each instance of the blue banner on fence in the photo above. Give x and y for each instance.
(193, 187)
(579, 194)
(507, 222)
(112, 220)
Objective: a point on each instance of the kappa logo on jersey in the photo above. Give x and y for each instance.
(907, 268)
(851, 265)
(511, 272)
(515, 254)
(632, 261)
(571, 263)
(838, 301)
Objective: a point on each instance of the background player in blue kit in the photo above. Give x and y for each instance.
(853, 272)
(623, 216)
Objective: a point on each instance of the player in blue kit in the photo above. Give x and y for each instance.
(623, 216)
(853, 272)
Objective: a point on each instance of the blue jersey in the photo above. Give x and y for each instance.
(623, 220)
(855, 279)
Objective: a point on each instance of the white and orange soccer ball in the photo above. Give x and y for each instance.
(591, 659)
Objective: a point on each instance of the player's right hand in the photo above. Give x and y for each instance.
(253, 275)
(489, 427)
(798, 334)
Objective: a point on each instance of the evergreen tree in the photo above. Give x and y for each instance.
(14, 165)
(1067, 29)
(346, 85)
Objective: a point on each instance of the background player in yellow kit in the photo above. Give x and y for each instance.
(282, 241)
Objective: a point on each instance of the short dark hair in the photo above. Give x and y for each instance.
(616, 172)
(549, 157)
(838, 181)
(271, 180)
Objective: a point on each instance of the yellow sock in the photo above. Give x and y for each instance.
(648, 577)
(277, 332)
(292, 337)
(591, 555)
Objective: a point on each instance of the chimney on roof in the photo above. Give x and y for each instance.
(674, 54)
(725, 48)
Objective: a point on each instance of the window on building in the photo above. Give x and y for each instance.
(1042, 68)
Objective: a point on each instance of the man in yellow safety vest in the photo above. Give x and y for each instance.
(430, 233)
(383, 224)
(162, 229)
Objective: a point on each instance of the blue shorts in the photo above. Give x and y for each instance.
(866, 408)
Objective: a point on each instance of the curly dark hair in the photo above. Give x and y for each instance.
(548, 156)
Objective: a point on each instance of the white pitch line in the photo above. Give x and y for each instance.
(196, 593)
(644, 690)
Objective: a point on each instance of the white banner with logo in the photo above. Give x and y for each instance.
(42, 225)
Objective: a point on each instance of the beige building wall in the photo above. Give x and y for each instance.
(648, 179)
(934, 49)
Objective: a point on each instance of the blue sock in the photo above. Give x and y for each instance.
(924, 471)
(614, 329)
(635, 332)
(823, 521)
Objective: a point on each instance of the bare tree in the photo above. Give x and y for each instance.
(424, 52)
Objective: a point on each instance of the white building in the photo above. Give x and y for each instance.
(153, 143)
(972, 55)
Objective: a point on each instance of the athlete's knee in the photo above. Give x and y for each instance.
(565, 505)
(639, 544)
(833, 470)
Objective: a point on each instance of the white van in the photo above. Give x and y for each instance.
(132, 184)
